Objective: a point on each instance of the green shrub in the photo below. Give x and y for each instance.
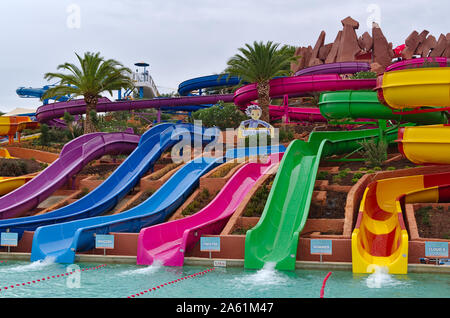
(256, 204)
(200, 201)
(286, 133)
(83, 192)
(44, 138)
(13, 167)
(364, 74)
(222, 115)
(375, 152)
(322, 175)
(423, 215)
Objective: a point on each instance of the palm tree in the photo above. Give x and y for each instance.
(94, 76)
(260, 63)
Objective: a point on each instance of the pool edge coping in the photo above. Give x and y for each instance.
(197, 261)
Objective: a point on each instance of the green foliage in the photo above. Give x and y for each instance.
(13, 167)
(94, 76)
(224, 169)
(423, 215)
(286, 133)
(161, 172)
(200, 201)
(256, 204)
(44, 138)
(375, 152)
(322, 175)
(261, 62)
(83, 192)
(364, 74)
(222, 115)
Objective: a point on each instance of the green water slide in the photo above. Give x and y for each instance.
(274, 239)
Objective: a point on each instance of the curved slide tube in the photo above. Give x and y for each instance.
(10, 125)
(425, 144)
(380, 238)
(275, 237)
(414, 88)
(300, 85)
(185, 88)
(364, 104)
(151, 145)
(335, 68)
(168, 242)
(61, 241)
(8, 184)
(77, 107)
(73, 157)
(32, 92)
(419, 62)
(4, 153)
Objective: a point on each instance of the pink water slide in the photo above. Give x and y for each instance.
(300, 86)
(167, 243)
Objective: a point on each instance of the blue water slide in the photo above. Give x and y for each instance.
(33, 92)
(104, 197)
(61, 241)
(209, 81)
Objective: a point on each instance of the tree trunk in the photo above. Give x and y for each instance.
(264, 100)
(91, 105)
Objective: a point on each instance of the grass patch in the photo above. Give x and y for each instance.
(161, 172)
(199, 202)
(223, 170)
(255, 206)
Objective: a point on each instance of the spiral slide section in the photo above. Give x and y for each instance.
(51, 111)
(61, 241)
(380, 238)
(295, 113)
(168, 242)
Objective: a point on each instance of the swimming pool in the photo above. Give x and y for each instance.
(43, 279)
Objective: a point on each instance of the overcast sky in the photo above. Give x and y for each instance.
(181, 39)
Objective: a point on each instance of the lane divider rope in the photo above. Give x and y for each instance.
(50, 277)
(171, 282)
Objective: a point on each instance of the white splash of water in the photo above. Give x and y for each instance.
(380, 278)
(34, 266)
(268, 275)
(156, 266)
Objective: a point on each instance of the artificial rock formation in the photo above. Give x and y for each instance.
(373, 48)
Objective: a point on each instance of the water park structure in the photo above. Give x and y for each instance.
(161, 211)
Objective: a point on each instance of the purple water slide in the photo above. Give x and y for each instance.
(335, 68)
(300, 85)
(414, 63)
(168, 242)
(77, 107)
(73, 157)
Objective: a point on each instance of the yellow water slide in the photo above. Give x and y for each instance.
(380, 237)
(10, 125)
(8, 184)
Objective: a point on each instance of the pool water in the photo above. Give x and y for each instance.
(123, 281)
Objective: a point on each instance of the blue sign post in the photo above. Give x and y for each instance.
(436, 250)
(210, 244)
(9, 239)
(321, 247)
(104, 241)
